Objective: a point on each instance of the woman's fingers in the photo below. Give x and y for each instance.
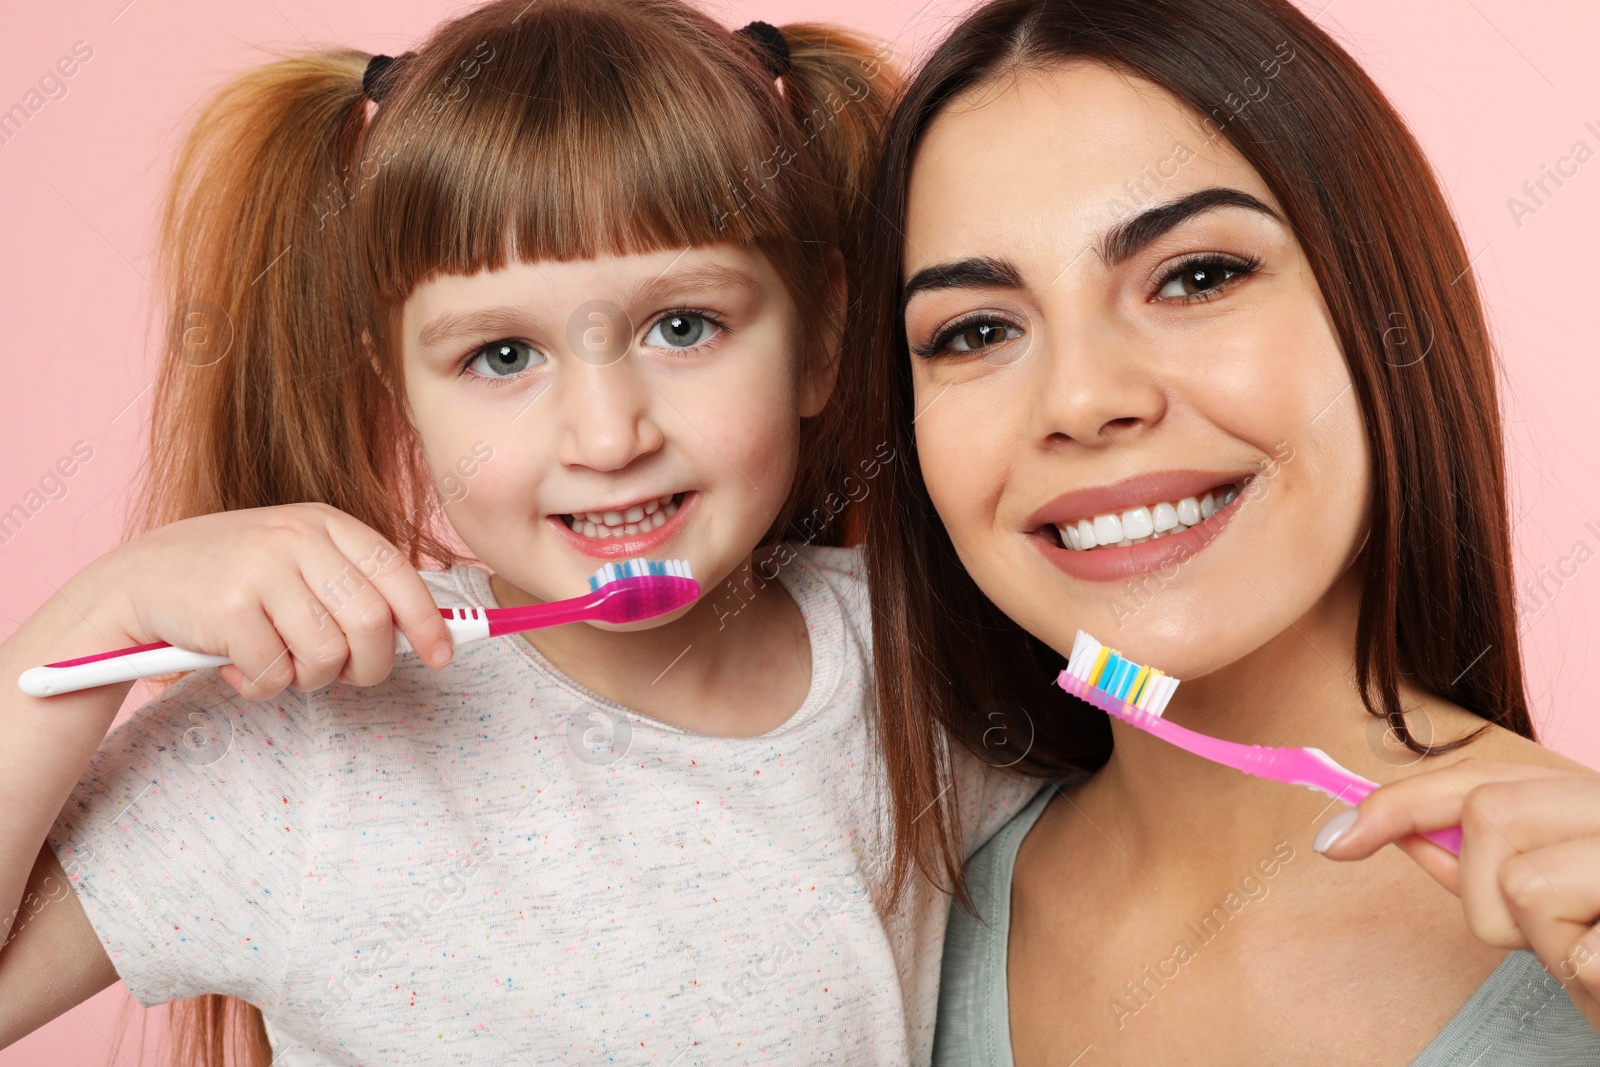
(1432, 800)
(1553, 895)
(1504, 824)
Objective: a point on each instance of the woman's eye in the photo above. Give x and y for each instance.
(503, 359)
(1200, 278)
(681, 329)
(974, 335)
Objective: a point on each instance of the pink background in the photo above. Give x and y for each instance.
(1497, 89)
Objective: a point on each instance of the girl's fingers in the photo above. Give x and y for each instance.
(1553, 895)
(386, 575)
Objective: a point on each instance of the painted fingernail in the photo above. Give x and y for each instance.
(1334, 829)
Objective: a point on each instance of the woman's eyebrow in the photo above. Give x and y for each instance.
(1128, 237)
(979, 272)
(1118, 243)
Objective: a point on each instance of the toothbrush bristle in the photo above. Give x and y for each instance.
(638, 568)
(1135, 684)
(657, 586)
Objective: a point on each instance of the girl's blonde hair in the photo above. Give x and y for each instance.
(297, 222)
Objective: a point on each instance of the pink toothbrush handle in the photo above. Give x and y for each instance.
(1309, 767)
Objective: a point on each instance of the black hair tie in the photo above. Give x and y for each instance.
(373, 81)
(774, 47)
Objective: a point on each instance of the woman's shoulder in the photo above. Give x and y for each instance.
(1434, 720)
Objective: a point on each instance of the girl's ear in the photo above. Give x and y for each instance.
(817, 376)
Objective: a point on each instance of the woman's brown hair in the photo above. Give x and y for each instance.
(1437, 601)
(296, 224)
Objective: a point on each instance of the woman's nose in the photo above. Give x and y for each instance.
(1092, 383)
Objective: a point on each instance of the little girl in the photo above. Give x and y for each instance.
(580, 267)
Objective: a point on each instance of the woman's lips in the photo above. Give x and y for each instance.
(1112, 564)
(627, 546)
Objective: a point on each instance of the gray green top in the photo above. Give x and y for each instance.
(1519, 1017)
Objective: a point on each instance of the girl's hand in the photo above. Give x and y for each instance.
(1529, 871)
(296, 596)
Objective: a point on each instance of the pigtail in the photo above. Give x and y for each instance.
(260, 397)
(265, 395)
(838, 88)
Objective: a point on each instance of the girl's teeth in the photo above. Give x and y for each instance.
(641, 518)
(1138, 525)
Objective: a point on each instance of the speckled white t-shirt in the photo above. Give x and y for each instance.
(491, 864)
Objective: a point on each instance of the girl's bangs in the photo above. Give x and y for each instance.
(569, 134)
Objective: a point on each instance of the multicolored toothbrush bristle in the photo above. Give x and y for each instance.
(639, 568)
(1145, 688)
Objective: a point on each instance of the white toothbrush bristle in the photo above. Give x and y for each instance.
(639, 568)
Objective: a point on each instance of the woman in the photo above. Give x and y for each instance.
(1144, 262)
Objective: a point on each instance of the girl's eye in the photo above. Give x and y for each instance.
(970, 335)
(504, 359)
(1202, 277)
(682, 329)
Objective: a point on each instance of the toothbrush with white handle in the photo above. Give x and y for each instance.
(618, 593)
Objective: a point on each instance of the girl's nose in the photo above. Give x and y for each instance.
(606, 415)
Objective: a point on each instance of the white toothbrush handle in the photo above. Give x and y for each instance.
(461, 629)
(51, 681)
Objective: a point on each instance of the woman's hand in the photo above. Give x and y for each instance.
(296, 596)
(1529, 871)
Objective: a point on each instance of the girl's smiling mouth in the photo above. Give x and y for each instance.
(626, 530)
(1145, 523)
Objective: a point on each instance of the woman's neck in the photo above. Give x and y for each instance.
(1297, 690)
(712, 670)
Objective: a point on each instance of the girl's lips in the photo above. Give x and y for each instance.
(1114, 564)
(614, 548)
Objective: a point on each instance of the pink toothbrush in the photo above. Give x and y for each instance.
(1138, 695)
(619, 592)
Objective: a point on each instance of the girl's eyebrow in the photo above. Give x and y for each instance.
(1116, 245)
(504, 319)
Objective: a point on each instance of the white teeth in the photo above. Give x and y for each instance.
(640, 518)
(1107, 529)
(1138, 525)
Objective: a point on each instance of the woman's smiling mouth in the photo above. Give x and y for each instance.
(1143, 524)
